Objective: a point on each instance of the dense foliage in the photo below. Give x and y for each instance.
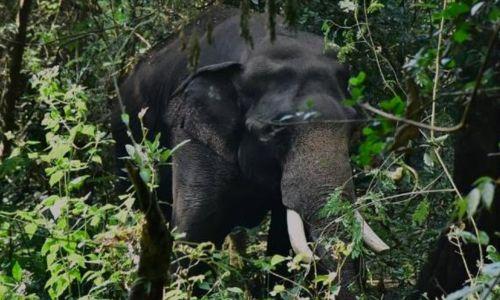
(65, 231)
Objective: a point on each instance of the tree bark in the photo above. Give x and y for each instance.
(16, 81)
(156, 244)
(476, 155)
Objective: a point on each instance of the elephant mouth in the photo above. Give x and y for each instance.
(298, 238)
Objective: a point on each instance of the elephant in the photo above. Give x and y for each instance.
(266, 127)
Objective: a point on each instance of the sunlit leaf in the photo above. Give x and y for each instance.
(55, 177)
(374, 6)
(476, 7)
(130, 150)
(276, 259)
(56, 209)
(461, 35)
(125, 119)
(358, 79)
(421, 212)
(487, 193)
(30, 229)
(77, 182)
(17, 271)
(482, 237)
(145, 175)
(235, 290)
(428, 160)
(473, 199)
(59, 151)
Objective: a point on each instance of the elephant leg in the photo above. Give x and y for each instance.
(201, 185)
(277, 239)
(278, 243)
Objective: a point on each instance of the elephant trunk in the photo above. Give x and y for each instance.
(317, 163)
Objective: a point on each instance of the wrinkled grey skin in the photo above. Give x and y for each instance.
(237, 166)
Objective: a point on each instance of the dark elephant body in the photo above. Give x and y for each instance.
(246, 112)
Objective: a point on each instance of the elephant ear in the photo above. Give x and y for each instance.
(210, 112)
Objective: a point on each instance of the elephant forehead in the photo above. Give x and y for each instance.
(298, 66)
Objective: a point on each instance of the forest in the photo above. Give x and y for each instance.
(249, 149)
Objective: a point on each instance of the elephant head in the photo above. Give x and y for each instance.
(288, 96)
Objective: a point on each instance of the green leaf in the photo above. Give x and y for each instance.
(493, 255)
(55, 177)
(88, 130)
(454, 10)
(460, 35)
(59, 151)
(487, 193)
(235, 290)
(56, 209)
(278, 289)
(347, 5)
(17, 271)
(125, 119)
(130, 150)
(95, 220)
(374, 6)
(473, 201)
(121, 216)
(482, 238)
(320, 278)
(50, 200)
(276, 259)
(97, 159)
(165, 155)
(77, 183)
(428, 161)
(476, 7)
(482, 179)
(394, 105)
(145, 175)
(77, 259)
(358, 79)
(494, 14)
(461, 207)
(30, 229)
(421, 212)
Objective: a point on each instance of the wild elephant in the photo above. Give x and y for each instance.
(265, 130)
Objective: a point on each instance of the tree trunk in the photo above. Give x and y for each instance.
(156, 244)
(16, 81)
(476, 155)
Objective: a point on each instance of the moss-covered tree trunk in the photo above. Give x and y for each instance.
(156, 244)
(476, 155)
(17, 82)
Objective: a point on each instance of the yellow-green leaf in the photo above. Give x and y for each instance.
(55, 177)
(30, 229)
(17, 271)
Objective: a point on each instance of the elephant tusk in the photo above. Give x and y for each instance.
(370, 237)
(297, 235)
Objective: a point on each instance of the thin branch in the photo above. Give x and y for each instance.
(463, 120)
(408, 121)
(436, 71)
